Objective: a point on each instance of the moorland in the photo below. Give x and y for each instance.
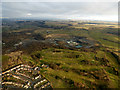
(79, 54)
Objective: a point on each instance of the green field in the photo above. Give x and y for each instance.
(94, 65)
(80, 69)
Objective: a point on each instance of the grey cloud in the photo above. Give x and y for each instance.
(58, 9)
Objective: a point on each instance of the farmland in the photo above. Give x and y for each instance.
(78, 54)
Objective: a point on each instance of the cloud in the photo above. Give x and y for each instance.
(63, 10)
(59, 0)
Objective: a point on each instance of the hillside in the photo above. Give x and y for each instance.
(75, 68)
(70, 54)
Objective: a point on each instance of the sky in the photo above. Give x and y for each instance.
(105, 11)
(59, 0)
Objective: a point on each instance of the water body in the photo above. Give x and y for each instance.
(78, 46)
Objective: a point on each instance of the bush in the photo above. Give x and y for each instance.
(36, 55)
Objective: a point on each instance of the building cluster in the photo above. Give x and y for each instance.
(13, 77)
(76, 42)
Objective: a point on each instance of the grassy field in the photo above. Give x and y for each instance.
(80, 69)
(105, 33)
(94, 67)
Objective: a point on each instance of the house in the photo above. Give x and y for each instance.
(38, 77)
(37, 68)
(46, 66)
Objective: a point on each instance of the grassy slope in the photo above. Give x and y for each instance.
(65, 67)
(71, 68)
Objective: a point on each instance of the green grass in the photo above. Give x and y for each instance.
(74, 68)
(56, 83)
(5, 60)
(101, 35)
(65, 65)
